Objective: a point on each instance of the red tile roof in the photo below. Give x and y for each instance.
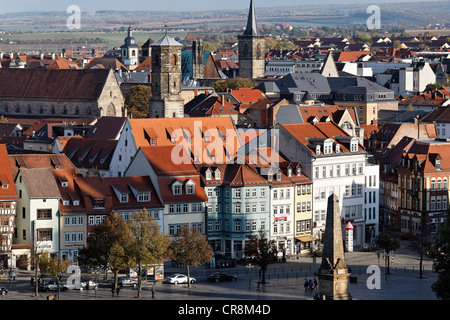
(7, 187)
(248, 95)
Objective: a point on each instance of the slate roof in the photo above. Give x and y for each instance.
(52, 85)
(40, 183)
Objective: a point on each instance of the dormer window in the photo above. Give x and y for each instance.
(217, 174)
(438, 164)
(328, 147)
(177, 190)
(208, 174)
(123, 197)
(270, 177)
(278, 176)
(299, 171)
(317, 149)
(189, 187)
(65, 202)
(338, 148)
(289, 173)
(98, 203)
(143, 196)
(64, 184)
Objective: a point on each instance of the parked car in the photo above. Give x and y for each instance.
(127, 282)
(52, 285)
(88, 285)
(179, 278)
(3, 291)
(216, 277)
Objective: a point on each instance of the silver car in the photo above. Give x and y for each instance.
(179, 278)
(127, 282)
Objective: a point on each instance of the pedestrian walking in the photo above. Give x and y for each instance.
(118, 291)
(305, 284)
(311, 285)
(153, 290)
(315, 283)
(32, 282)
(258, 288)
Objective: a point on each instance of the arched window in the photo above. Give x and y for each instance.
(17, 109)
(133, 53)
(77, 110)
(433, 184)
(53, 111)
(174, 59)
(41, 110)
(258, 52)
(439, 184)
(65, 110)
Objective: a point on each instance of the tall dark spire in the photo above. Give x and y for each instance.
(252, 29)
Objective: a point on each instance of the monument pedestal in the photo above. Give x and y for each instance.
(333, 273)
(333, 286)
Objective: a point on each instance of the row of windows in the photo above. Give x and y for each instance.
(250, 225)
(184, 208)
(336, 170)
(29, 109)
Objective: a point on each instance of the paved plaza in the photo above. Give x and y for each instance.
(284, 282)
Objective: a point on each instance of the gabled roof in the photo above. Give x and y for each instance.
(164, 129)
(162, 162)
(241, 175)
(107, 128)
(90, 152)
(7, 188)
(51, 85)
(308, 134)
(248, 95)
(31, 161)
(40, 183)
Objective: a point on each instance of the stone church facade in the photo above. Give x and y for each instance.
(166, 100)
(252, 47)
(60, 93)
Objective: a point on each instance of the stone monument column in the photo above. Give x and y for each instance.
(333, 273)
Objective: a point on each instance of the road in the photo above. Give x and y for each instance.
(284, 282)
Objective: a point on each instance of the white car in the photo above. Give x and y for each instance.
(179, 278)
(88, 284)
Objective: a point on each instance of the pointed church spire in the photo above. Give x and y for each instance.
(252, 29)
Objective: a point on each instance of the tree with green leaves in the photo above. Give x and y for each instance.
(441, 260)
(190, 248)
(384, 241)
(233, 84)
(137, 101)
(53, 267)
(148, 246)
(108, 246)
(262, 250)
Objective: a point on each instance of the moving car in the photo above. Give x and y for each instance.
(88, 284)
(52, 285)
(3, 291)
(216, 277)
(127, 282)
(179, 278)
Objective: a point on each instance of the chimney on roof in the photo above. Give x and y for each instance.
(53, 56)
(41, 56)
(1, 55)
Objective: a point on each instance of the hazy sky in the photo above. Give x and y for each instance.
(154, 5)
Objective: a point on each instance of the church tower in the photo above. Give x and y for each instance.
(166, 101)
(252, 47)
(130, 51)
(197, 59)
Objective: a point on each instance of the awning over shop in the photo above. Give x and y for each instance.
(306, 239)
